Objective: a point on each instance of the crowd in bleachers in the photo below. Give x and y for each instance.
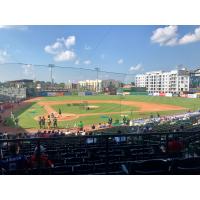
(102, 154)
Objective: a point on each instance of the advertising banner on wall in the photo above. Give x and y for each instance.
(126, 93)
(42, 93)
(192, 96)
(184, 95)
(59, 93)
(67, 93)
(162, 94)
(156, 94)
(51, 94)
(168, 94)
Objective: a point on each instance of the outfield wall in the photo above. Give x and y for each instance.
(53, 93)
(193, 96)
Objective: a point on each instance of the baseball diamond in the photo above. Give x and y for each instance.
(100, 108)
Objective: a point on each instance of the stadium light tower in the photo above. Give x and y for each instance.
(51, 73)
(97, 87)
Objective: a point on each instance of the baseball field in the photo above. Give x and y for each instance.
(97, 109)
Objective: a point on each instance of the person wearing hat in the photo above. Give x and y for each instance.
(40, 159)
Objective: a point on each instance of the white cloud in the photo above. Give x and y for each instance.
(77, 62)
(87, 62)
(55, 48)
(87, 47)
(8, 27)
(165, 36)
(136, 68)
(28, 70)
(168, 36)
(70, 41)
(61, 49)
(191, 37)
(120, 61)
(65, 56)
(3, 56)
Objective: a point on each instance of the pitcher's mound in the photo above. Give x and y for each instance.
(67, 116)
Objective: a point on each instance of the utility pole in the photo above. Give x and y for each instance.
(97, 86)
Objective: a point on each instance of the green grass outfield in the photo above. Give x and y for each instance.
(178, 101)
(101, 107)
(26, 116)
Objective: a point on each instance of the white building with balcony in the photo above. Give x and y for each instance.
(175, 81)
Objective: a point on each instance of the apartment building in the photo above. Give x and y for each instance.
(91, 85)
(175, 81)
(195, 80)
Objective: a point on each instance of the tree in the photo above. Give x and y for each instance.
(133, 83)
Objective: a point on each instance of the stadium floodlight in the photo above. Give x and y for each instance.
(97, 86)
(51, 73)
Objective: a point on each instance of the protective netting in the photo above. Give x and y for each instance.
(75, 93)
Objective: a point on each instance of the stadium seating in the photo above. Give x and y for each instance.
(150, 167)
(136, 154)
(186, 166)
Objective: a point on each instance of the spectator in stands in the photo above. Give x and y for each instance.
(120, 138)
(77, 133)
(93, 127)
(150, 128)
(68, 132)
(15, 161)
(144, 129)
(100, 126)
(39, 159)
(175, 145)
(83, 132)
(103, 125)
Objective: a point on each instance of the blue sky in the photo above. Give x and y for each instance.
(124, 49)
